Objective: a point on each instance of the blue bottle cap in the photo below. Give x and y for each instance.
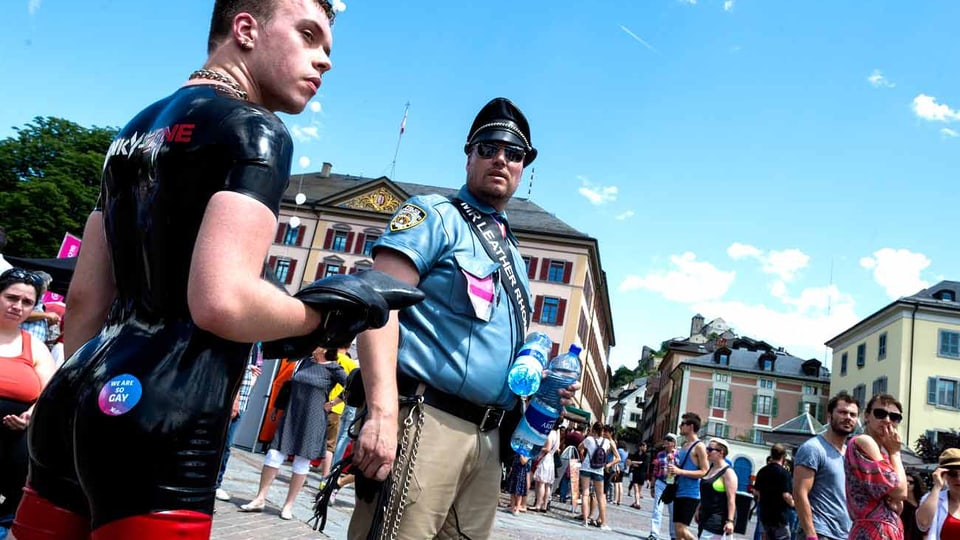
(575, 350)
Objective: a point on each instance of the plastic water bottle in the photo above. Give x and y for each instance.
(545, 406)
(671, 478)
(527, 369)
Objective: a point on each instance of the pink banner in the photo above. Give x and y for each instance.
(69, 248)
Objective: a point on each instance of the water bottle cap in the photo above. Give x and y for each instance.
(575, 350)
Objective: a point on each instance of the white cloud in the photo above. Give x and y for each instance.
(625, 215)
(809, 320)
(305, 133)
(947, 132)
(338, 6)
(739, 251)
(926, 107)
(784, 264)
(33, 6)
(688, 281)
(728, 5)
(878, 80)
(691, 2)
(597, 195)
(897, 271)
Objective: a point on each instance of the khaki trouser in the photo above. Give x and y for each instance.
(455, 484)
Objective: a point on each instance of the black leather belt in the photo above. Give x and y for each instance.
(486, 418)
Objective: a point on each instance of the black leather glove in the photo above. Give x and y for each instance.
(350, 304)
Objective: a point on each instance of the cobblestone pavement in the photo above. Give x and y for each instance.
(559, 523)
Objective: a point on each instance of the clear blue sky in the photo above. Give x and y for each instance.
(783, 165)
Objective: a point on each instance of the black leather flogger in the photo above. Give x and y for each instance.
(350, 303)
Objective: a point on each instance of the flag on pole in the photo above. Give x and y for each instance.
(403, 123)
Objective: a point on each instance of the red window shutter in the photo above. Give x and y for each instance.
(290, 271)
(537, 306)
(554, 350)
(300, 233)
(320, 269)
(328, 240)
(281, 231)
(544, 269)
(532, 271)
(343, 269)
(567, 270)
(353, 270)
(560, 311)
(346, 247)
(358, 247)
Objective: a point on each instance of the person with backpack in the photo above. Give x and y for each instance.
(594, 451)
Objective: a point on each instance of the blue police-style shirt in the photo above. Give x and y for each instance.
(447, 340)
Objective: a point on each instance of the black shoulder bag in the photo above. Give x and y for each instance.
(488, 231)
(670, 492)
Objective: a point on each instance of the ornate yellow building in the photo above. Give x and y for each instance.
(339, 217)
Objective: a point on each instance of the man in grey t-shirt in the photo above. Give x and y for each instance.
(818, 476)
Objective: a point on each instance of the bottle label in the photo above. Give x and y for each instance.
(540, 420)
(537, 354)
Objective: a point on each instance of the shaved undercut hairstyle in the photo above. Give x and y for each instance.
(262, 10)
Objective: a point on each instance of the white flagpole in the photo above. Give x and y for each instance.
(403, 127)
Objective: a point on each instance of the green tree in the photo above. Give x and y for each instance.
(49, 182)
(621, 377)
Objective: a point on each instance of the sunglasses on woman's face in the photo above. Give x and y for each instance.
(882, 414)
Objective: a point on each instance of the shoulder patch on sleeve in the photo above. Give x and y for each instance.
(408, 217)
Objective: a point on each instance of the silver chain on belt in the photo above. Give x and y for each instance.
(403, 470)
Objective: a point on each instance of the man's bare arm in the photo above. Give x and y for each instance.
(802, 483)
(377, 353)
(92, 289)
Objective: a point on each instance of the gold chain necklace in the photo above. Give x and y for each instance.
(220, 78)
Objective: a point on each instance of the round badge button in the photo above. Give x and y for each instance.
(120, 395)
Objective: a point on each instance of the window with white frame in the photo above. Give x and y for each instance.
(282, 269)
(764, 405)
(942, 392)
(339, 241)
(882, 346)
(720, 397)
(810, 390)
(766, 384)
(721, 377)
(949, 344)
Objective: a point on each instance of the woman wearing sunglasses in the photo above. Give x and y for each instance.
(876, 481)
(718, 491)
(25, 367)
(939, 510)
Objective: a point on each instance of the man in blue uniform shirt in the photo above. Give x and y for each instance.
(453, 349)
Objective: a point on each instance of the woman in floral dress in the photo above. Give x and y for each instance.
(876, 482)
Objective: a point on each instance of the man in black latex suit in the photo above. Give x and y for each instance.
(167, 297)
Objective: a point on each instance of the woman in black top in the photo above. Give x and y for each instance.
(718, 492)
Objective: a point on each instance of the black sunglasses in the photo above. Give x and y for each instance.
(882, 414)
(712, 449)
(953, 473)
(511, 153)
(22, 275)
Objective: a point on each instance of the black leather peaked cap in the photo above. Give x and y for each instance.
(501, 121)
